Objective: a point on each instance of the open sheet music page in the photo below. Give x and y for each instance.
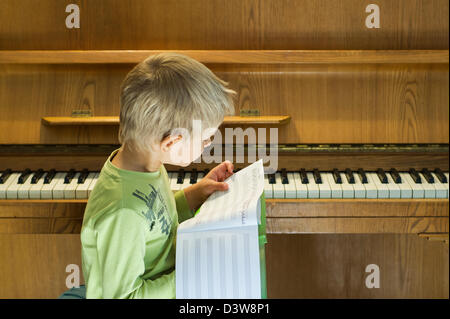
(218, 253)
(234, 207)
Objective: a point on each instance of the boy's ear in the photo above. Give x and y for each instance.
(169, 141)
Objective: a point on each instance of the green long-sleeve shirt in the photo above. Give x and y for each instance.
(129, 232)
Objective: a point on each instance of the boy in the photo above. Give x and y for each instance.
(130, 223)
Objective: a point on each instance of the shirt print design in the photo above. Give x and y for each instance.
(157, 209)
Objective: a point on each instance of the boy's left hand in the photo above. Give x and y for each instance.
(213, 181)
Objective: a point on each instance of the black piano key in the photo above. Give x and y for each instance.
(205, 172)
(37, 176)
(69, 176)
(303, 176)
(194, 176)
(349, 176)
(49, 177)
(236, 170)
(284, 178)
(180, 177)
(83, 175)
(317, 177)
(440, 175)
(415, 176)
(362, 176)
(429, 178)
(6, 173)
(382, 176)
(396, 176)
(271, 178)
(24, 175)
(336, 176)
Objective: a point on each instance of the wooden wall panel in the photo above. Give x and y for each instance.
(217, 24)
(327, 103)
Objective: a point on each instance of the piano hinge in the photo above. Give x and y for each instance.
(443, 237)
(249, 112)
(81, 113)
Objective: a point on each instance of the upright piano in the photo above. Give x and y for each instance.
(362, 117)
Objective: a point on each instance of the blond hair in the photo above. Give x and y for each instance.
(168, 91)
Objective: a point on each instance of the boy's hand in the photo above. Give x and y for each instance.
(198, 193)
(214, 180)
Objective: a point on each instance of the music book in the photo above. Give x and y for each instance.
(220, 251)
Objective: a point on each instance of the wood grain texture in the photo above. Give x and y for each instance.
(280, 208)
(114, 120)
(228, 56)
(357, 225)
(333, 266)
(298, 266)
(34, 265)
(283, 216)
(370, 162)
(244, 25)
(326, 103)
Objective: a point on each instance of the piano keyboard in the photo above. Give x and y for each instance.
(282, 184)
(47, 185)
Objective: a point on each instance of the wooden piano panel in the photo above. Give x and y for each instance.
(232, 24)
(388, 103)
(333, 266)
(298, 266)
(321, 248)
(34, 265)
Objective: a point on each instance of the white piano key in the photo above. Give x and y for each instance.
(370, 187)
(200, 176)
(447, 185)
(35, 189)
(58, 190)
(324, 187)
(383, 190)
(3, 187)
(12, 179)
(172, 180)
(313, 188)
(394, 189)
(278, 187)
(347, 188)
(69, 191)
(24, 190)
(186, 181)
(430, 190)
(81, 192)
(47, 189)
(360, 190)
(417, 189)
(92, 185)
(290, 190)
(336, 189)
(441, 189)
(13, 190)
(301, 189)
(404, 187)
(268, 188)
(175, 186)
